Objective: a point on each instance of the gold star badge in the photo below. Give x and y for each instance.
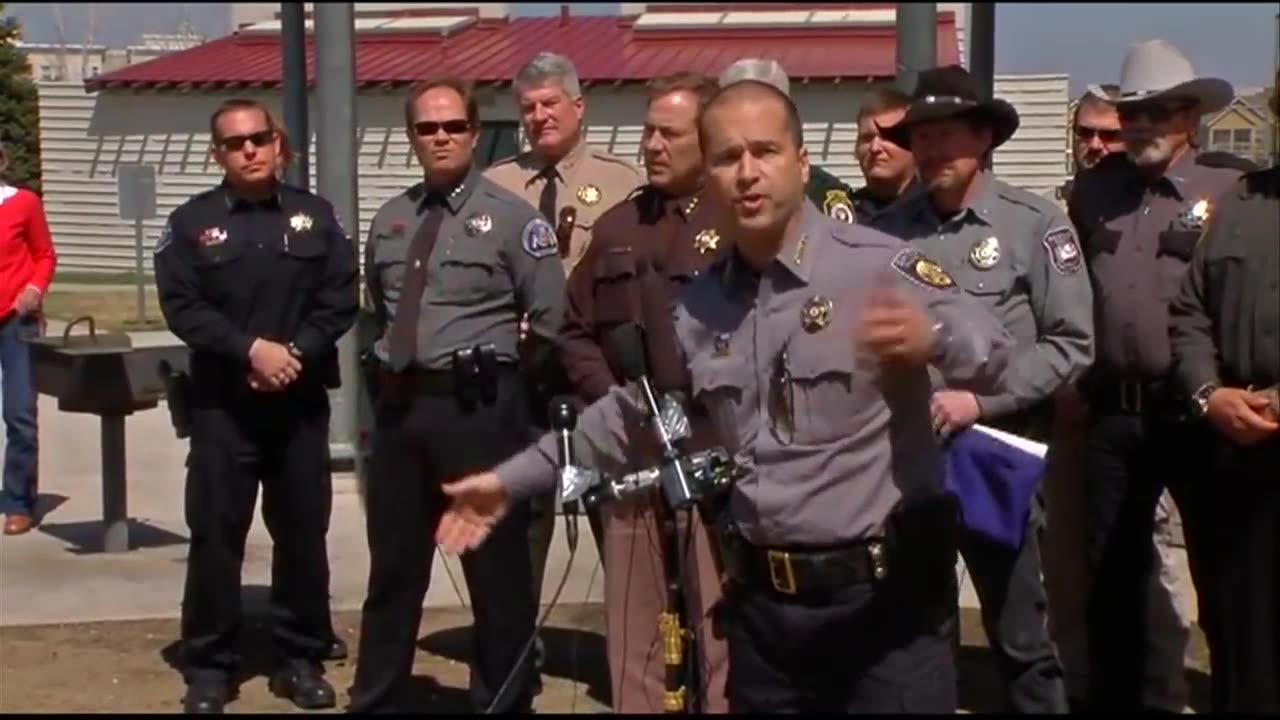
(816, 314)
(706, 241)
(300, 222)
(589, 194)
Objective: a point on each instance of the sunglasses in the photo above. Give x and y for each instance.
(428, 128)
(232, 143)
(1157, 113)
(1106, 135)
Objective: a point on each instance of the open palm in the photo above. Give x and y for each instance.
(476, 504)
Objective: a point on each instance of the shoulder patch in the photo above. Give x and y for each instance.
(1225, 160)
(837, 204)
(538, 239)
(918, 268)
(1064, 250)
(166, 238)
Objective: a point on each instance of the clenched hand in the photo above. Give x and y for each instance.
(894, 328)
(1238, 414)
(272, 364)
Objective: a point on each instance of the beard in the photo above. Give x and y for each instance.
(1150, 152)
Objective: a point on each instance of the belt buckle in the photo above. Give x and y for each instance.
(781, 573)
(1131, 397)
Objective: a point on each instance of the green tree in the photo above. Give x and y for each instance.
(19, 108)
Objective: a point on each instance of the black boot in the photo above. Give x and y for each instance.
(303, 683)
(207, 694)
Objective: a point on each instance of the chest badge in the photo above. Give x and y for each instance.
(720, 346)
(816, 314)
(1196, 215)
(836, 204)
(212, 236)
(479, 224)
(300, 222)
(706, 241)
(985, 253)
(589, 194)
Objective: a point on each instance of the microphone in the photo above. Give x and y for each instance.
(564, 418)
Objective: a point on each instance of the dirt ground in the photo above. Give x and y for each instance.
(127, 666)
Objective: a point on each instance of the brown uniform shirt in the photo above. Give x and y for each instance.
(587, 180)
(1138, 237)
(643, 252)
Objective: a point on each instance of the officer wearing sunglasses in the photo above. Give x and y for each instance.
(259, 280)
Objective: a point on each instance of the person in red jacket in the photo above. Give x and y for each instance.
(26, 267)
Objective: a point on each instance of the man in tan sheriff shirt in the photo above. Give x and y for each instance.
(572, 184)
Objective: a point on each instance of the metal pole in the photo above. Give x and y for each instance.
(115, 485)
(139, 254)
(917, 42)
(335, 55)
(293, 47)
(982, 52)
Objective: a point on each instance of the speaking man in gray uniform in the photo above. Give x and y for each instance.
(808, 347)
(452, 263)
(1017, 254)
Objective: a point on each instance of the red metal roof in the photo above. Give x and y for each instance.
(604, 49)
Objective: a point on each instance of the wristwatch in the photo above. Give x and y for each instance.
(1201, 397)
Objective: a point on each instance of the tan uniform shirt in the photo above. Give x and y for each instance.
(588, 180)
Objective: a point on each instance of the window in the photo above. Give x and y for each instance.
(1242, 142)
(1220, 139)
(50, 73)
(498, 140)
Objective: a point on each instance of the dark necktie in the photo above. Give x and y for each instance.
(404, 329)
(547, 200)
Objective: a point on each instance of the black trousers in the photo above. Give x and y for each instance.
(1130, 459)
(878, 647)
(1240, 606)
(1015, 616)
(421, 441)
(281, 441)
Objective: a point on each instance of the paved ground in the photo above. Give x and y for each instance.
(85, 631)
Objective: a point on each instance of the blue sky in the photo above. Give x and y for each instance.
(1236, 41)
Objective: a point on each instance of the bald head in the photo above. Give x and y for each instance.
(763, 70)
(753, 91)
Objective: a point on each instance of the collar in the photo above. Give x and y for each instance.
(455, 199)
(977, 208)
(565, 165)
(684, 206)
(796, 255)
(1178, 173)
(236, 203)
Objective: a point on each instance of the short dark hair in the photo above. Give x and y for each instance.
(465, 90)
(1088, 98)
(882, 99)
(703, 87)
(795, 129)
(233, 104)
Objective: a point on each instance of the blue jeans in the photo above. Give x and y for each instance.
(19, 398)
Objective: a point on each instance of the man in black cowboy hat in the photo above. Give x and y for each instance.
(1140, 215)
(1016, 252)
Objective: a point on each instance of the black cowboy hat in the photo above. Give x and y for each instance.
(948, 92)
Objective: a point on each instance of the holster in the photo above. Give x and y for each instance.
(177, 390)
(475, 373)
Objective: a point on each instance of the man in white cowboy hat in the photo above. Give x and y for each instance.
(1225, 320)
(1140, 214)
(1017, 253)
(827, 191)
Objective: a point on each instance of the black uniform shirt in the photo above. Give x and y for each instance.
(1225, 324)
(229, 270)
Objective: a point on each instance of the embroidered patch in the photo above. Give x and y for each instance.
(1064, 250)
(538, 239)
(837, 205)
(916, 267)
(166, 238)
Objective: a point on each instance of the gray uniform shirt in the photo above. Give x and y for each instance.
(1017, 254)
(831, 453)
(495, 259)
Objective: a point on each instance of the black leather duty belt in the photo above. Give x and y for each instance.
(791, 572)
(428, 382)
(1134, 397)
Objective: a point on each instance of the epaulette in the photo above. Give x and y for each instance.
(1225, 160)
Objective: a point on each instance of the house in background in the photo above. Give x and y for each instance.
(157, 112)
(1246, 127)
(51, 62)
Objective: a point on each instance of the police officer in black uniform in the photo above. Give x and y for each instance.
(259, 280)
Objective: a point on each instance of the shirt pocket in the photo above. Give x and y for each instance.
(615, 279)
(389, 257)
(817, 394)
(220, 267)
(718, 385)
(306, 253)
(469, 272)
(1178, 242)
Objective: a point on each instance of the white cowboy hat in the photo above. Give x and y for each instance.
(1155, 68)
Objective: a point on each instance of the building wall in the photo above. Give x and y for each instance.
(85, 137)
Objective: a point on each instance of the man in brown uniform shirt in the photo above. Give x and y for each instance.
(1225, 332)
(1140, 214)
(571, 184)
(643, 252)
